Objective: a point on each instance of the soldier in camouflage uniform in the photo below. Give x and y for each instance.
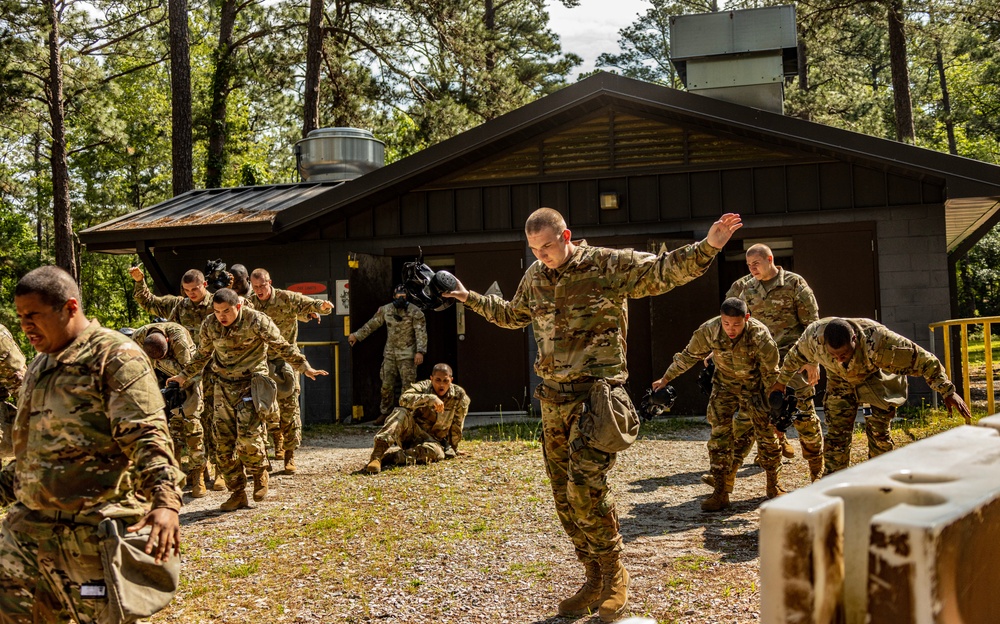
(237, 341)
(574, 298)
(12, 368)
(865, 362)
(285, 308)
(170, 348)
(785, 303)
(405, 346)
(89, 415)
(746, 364)
(427, 426)
(189, 312)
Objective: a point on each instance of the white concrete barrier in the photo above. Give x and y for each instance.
(912, 536)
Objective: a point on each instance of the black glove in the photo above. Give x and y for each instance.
(705, 378)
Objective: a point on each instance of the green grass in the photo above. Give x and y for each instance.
(977, 350)
(520, 431)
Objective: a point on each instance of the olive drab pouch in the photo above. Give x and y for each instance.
(283, 375)
(137, 586)
(609, 422)
(264, 393)
(883, 390)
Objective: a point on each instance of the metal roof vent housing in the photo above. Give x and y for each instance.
(338, 154)
(738, 56)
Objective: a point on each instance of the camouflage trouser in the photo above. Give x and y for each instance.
(188, 432)
(841, 407)
(42, 568)
(584, 502)
(239, 433)
(724, 443)
(402, 430)
(807, 424)
(208, 413)
(392, 371)
(290, 423)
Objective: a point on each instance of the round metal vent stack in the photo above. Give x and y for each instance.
(338, 154)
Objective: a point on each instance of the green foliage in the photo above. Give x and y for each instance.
(978, 278)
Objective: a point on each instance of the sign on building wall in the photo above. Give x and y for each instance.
(343, 297)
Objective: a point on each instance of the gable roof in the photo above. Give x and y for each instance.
(972, 188)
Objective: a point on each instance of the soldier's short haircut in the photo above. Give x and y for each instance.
(760, 250)
(260, 274)
(226, 295)
(734, 306)
(838, 333)
(544, 218)
(53, 285)
(194, 276)
(441, 368)
(155, 345)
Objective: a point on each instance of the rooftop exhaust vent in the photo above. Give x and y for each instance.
(338, 154)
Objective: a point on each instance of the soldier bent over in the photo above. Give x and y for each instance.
(237, 341)
(12, 369)
(427, 426)
(746, 363)
(865, 362)
(574, 297)
(89, 413)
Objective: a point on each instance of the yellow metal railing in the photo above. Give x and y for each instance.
(336, 371)
(963, 324)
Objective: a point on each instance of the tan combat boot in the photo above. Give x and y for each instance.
(709, 480)
(787, 449)
(719, 499)
(614, 597)
(290, 462)
(197, 481)
(219, 485)
(815, 468)
(237, 500)
(588, 598)
(774, 489)
(260, 486)
(375, 461)
(279, 445)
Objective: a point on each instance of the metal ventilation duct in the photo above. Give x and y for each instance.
(338, 154)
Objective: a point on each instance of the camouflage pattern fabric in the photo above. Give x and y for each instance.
(406, 331)
(237, 354)
(186, 426)
(579, 316)
(286, 308)
(395, 370)
(85, 415)
(876, 375)
(12, 367)
(744, 369)
(418, 429)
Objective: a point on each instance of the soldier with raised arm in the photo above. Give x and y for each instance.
(865, 362)
(574, 297)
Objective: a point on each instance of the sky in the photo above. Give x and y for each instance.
(592, 28)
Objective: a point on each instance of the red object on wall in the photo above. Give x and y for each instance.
(308, 288)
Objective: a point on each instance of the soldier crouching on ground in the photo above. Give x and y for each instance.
(12, 368)
(746, 363)
(427, 426)
(170, 347)
(90, 410)
(238, 340)
(865, 362)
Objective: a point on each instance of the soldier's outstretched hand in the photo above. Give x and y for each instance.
(136, 274)
(312, 373)
(722, 230)
(955, 401)
(165, 533)
(461, 292)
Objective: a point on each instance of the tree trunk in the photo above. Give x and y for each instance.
(314, 58)
(900, 73)
(217, 155)
(61, 217)
(180, 98)
(949, 122)
(489, 20)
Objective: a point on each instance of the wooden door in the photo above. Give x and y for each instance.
(370, 287)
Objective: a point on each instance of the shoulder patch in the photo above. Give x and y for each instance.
(127, 366)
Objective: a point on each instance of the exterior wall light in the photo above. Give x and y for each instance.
(609, 201)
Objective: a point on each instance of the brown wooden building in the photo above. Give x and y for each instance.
(875, 226)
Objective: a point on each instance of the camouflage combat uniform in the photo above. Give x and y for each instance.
(238, 355)
(744, 369)
(186, 427)
(189, 315)
(876, 374)
(786, 305)
(285, 308)
(422, 433)
(86, 414)
(579, 317)
(406, 336)
(12, 368)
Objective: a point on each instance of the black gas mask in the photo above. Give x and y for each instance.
(424, 286)
(399, 298)
(217, 276)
